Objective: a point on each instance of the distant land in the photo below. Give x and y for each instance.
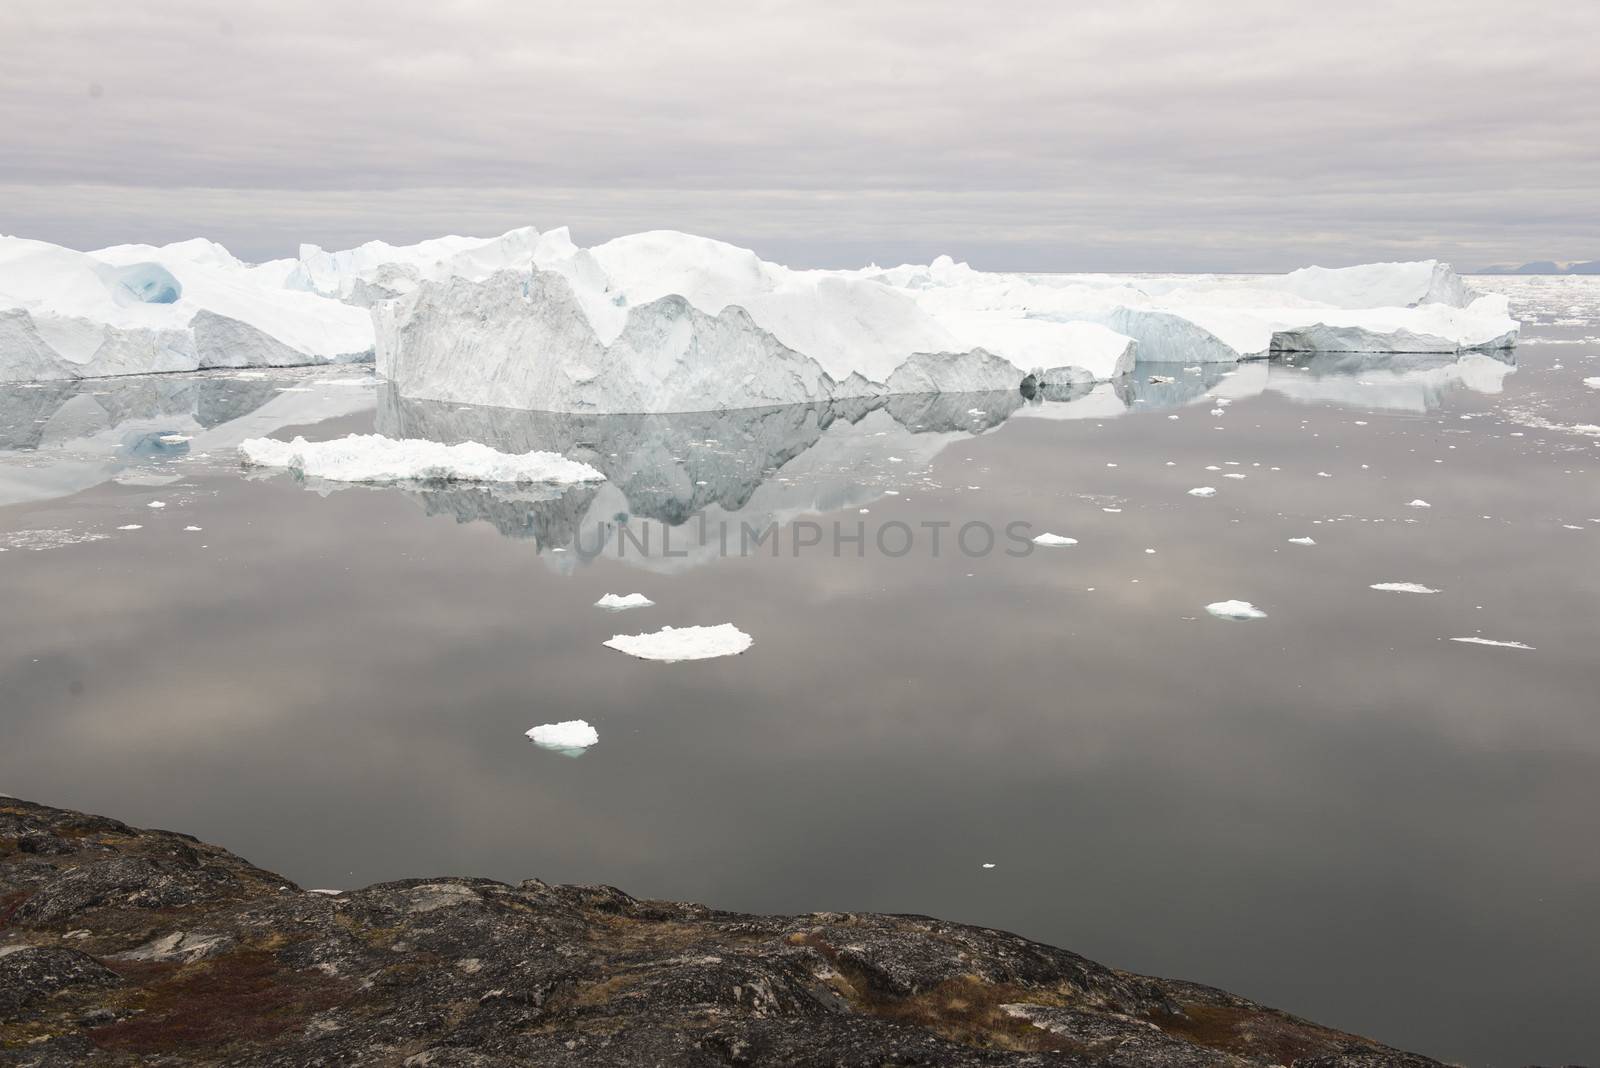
(1542, 267)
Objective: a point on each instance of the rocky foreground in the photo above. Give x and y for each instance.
(127, 946)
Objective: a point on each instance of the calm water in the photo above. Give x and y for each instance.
(1336, 810)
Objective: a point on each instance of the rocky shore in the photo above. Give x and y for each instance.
(122, 946)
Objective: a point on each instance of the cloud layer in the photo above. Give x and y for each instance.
(1147, 134)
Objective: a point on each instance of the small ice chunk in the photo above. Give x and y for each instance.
(1491, 641)
(131, 526)
(988, 864)
(1403, 587)
(1053, 541)
(683, 643)
(1302, 541)
(375, 458)
(569, 738)
(1418, 503)
(1203, 491)
(191, 529)
(1235, 474)
(156, 504)
(1592, 383)
(1240, 610)
(622, 602)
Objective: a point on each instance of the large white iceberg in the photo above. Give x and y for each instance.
(139, 309)
(669, 322)
(663, 322)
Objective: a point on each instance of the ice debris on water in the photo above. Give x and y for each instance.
(1402, 587)
(1052, 541)
(1203, 491)
(1491, 641)
(1418, 503)
(1237, 610)
(569, 738)
(671, 644)
(622, 602)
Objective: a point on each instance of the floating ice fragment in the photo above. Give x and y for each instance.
(684, 643)
(1235, 474)
(191, 528)
(988, 864)
(1238, 610)
(1403, 587)
(1302, 541)
(1418, 503)
(374, 458)
(621, 603)
(570, 738)
(1592, 383)
(1490, 641)
(1203, 491)
(1051, 541)
(131, 526)
(156, 504)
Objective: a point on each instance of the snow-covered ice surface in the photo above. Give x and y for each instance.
(139, 309)
(622, 602)
(375, 458)
(1240, 610)
(672, 644)
(569, 738)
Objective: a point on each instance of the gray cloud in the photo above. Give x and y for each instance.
(1148, 134)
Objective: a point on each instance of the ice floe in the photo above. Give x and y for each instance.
(1203, 491)
(1054, 541)
(374, 458)
(1238, 610)
(1418, 503)
(672, 644)
(569, 738)
(1302, 541)
(622, 602)
(1402, 587)
(1491, 641)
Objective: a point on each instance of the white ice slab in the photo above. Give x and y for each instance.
(374, 458)
(671, 644)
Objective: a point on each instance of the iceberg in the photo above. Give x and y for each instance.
(375, 458)
(666, 322)
(140, 309)
(662, 322)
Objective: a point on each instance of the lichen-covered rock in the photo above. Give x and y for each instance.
(127, 947)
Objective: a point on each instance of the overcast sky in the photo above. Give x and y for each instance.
(1145, 134)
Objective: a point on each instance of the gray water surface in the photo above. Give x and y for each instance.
(1336, 810)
